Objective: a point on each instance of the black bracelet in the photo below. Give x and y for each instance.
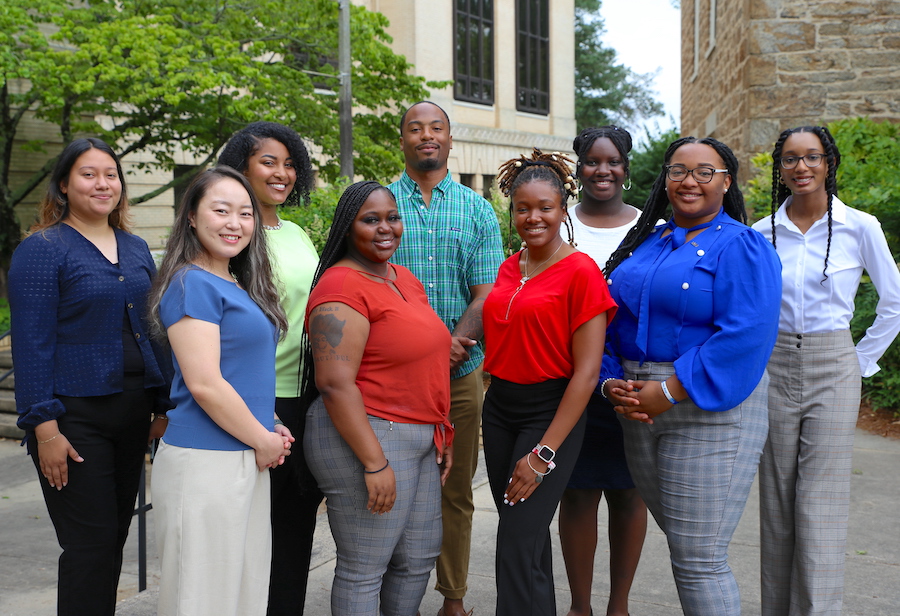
(386, 464)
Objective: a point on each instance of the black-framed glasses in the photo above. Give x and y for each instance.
(811, 160)
(703, 175)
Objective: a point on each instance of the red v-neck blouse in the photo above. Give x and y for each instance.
(528, 330)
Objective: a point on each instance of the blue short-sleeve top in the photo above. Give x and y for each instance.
(247, 356)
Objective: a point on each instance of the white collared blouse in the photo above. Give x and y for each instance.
(810, 304)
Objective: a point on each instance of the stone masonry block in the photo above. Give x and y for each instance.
(875, 26)
(761, 71)
(846, 9)
(764, 9)
(876, 58)
(821, 77)
(821, 61)
(841, 28)
(785, 101)
(775, 36)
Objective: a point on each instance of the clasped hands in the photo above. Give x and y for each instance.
(637, 400)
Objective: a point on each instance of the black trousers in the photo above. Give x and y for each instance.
(515, 418)
(92, 513)
(295, 501)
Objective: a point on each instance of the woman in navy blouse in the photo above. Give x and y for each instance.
(698, 315)
(87, 377)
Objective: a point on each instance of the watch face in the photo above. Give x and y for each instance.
(546, 454)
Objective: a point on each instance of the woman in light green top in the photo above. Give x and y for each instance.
(275, 161)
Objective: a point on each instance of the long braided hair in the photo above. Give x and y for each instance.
(620, 138)
(552, 169)
(335, 249)
(780, 191)
(657, 205)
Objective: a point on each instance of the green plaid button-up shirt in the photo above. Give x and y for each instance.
(450, 245)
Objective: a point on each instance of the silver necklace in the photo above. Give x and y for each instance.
(274, 227)
(526, 277)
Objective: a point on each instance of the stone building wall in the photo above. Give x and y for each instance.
(782, 63)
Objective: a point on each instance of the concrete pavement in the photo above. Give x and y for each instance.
(28, 549)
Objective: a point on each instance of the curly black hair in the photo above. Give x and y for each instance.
(244, 143)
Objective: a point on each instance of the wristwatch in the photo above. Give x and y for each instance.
(544, 452)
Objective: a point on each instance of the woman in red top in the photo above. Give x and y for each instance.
(544, 327)
(376, 360)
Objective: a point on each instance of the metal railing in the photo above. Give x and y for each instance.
(141, 512)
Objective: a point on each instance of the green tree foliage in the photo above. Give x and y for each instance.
(316, 217)
(868, 179)
(174, 75)
(869, 176)
(646, 163)
(606, 92)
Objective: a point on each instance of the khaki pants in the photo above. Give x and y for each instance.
(457, 506)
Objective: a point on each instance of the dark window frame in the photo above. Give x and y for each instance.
(533, 56)
(473, 62)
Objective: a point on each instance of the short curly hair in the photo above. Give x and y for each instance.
(246, 141)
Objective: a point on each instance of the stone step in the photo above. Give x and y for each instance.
(8, 427)
(9, 382)
(7, 401)
(5, 359)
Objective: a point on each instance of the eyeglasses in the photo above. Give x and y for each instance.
(703, 175)
(811, 160)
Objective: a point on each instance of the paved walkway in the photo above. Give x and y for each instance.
(28, 550)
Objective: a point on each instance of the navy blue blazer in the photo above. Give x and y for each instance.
(67, 303)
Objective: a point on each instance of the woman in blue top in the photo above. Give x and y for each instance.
(698, 314)
(87, 377)
(216, 305)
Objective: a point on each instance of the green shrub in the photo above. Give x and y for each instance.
(316, 217)
(758, 191)
(501, 210)
(646, 161)
(4, 315)
(883, 389)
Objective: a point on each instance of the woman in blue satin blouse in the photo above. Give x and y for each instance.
(698, 316)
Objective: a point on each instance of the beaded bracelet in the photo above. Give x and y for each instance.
(49, 439)
(603, 387)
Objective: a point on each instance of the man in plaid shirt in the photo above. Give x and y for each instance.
(451, 242)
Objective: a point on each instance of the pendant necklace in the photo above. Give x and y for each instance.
(526, 276)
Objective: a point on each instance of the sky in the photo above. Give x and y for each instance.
(646, 35)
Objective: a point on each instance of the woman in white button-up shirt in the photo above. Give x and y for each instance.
(815, 372)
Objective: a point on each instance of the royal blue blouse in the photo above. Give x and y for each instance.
(67, 303)
(710, 306)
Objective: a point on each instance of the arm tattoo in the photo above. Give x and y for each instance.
(326, 329)
(470, 324)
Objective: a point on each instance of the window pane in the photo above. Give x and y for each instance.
(474, 47)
